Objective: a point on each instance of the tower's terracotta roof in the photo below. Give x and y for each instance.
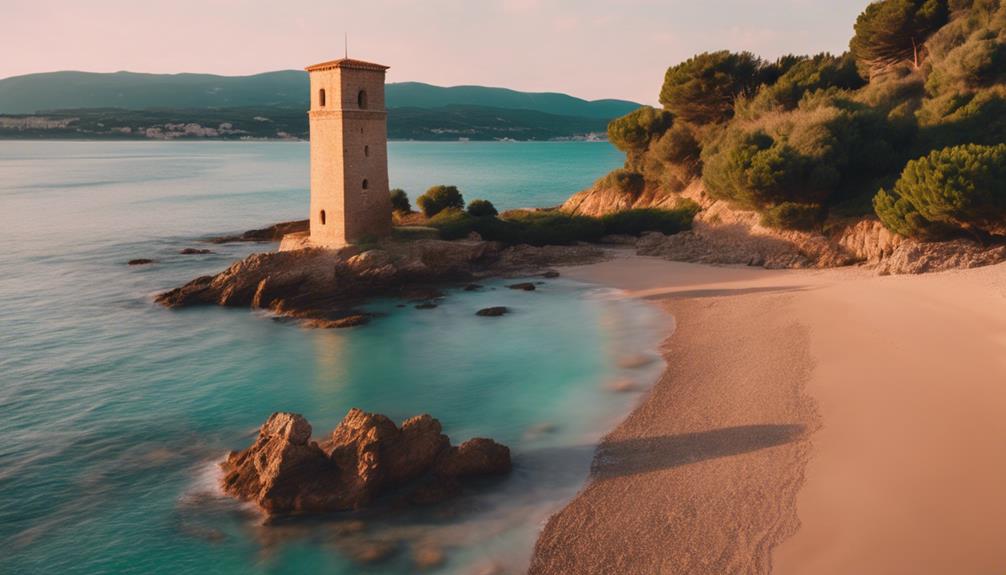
(347, 63)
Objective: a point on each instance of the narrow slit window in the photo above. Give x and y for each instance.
(366, 151)
(322, 217)
(321, 98)
(366, 184)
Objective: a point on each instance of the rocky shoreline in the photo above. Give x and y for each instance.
(324, 286)
(723, 234)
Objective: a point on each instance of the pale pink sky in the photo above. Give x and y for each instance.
(588, 48)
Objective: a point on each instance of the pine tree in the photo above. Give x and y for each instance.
(893, 31)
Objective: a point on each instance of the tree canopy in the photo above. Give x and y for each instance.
(702, 89)
(894, 31)
(440, 198)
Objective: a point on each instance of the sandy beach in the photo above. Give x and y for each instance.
(808, 422)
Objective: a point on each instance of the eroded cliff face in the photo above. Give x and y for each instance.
(722, 234)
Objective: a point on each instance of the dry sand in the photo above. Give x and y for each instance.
(809, 422)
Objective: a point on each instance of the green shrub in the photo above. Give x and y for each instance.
(635, 222)
(953, 190)
(440, 198)
(793, 216)
(481, 208)
(626, 182)
(677, 146)
(633, 132)
(400, 201)
(702, 89)
(558, 228)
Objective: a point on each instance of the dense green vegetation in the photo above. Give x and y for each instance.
(440, 198)
(959, 189)
(807, 138)
(400, 201)
(481, 209)
(551, 227)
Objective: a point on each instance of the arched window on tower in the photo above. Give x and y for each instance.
(361, 99)
(321, 98)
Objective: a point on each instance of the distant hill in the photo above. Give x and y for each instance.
(419, 95)
(287, 88)
(271, 122)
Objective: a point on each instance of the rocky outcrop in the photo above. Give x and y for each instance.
(273, 233)
(284, 472)
(324, 285)
(920, 257)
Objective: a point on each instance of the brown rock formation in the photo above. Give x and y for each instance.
(912, 257)
(273, 233)
(475, 457)
(321, 284)
(366, 455)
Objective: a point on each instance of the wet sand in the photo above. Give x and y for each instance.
(814, 421)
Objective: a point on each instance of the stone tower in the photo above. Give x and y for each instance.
(349, 153)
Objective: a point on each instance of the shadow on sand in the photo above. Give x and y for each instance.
(633, 456)
(721, 292)
(643, 455)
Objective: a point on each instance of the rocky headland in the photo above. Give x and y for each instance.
(286, 473)
(323, 286)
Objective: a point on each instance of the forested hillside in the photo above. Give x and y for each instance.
(909, 123)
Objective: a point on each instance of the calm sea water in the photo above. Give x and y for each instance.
(115, 411)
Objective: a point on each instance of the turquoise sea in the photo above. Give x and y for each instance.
(115, 411)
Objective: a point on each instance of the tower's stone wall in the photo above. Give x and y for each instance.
(350, 200)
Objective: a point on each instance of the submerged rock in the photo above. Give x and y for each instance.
(428, 557)
(550, 274)
(495, 311)
(366, 455)
(194, 251)
(352, 320)
(475, 457)
(523, 286)
(140, 262)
